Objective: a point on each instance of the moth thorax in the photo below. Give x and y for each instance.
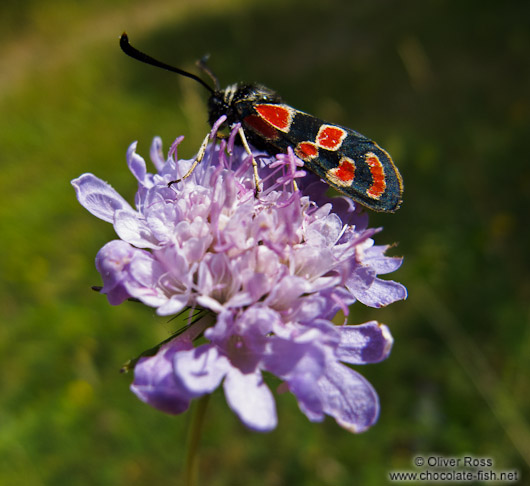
(217, 107)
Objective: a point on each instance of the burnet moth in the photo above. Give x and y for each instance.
(348, 161)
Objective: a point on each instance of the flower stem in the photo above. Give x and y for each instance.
(190, 473)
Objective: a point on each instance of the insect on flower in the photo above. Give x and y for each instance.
(348, 161)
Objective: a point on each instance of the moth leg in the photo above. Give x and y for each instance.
(197, 161)
(254, 163)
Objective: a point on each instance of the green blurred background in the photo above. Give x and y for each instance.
(444, 86)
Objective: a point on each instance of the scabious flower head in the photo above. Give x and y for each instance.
(269, 272)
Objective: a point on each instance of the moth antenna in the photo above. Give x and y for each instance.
(141, 56)
(202, 64)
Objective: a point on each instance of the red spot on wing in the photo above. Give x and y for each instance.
(279, 116)
(345, 171)
(306, 150)
(378, 186)
(330, 137)
(260, 126)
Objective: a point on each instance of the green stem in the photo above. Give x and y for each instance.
(194, 436)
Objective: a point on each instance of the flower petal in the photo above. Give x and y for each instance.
(136, 164)
(250, 398)
(99, 197)
(200, 370)
(154, 381)
(349, 398)
(130, 228)
(155, 153)
(112, 262)
(366, 343)
(382, 264)
(381, 293)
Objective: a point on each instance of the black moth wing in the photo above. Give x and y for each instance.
(363, 188)
(354, 165)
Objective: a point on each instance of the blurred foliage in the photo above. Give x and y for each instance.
(444, 86)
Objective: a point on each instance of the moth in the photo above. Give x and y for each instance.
(348, 161)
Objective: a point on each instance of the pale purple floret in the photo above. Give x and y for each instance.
(272, 271)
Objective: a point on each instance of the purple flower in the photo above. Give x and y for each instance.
(270, 271)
